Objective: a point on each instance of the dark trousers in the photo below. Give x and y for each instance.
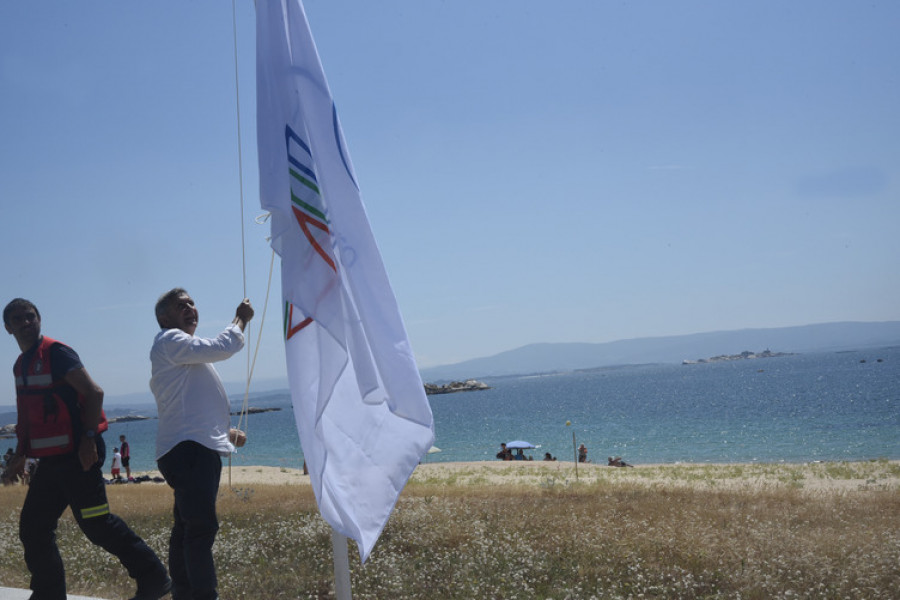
(59, 482)
(193, 471)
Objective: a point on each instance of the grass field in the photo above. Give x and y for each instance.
(730, 531)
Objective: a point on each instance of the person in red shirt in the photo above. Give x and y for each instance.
(125, 451)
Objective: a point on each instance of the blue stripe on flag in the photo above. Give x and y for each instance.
(291, 135)
(337, 139)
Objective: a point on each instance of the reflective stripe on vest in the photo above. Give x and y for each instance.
(45, 380)
(61, 441)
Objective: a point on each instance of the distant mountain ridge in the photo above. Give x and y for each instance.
(551, 357)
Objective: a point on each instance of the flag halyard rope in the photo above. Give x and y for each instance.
(243, 420)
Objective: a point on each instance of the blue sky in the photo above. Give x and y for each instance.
(583, 170)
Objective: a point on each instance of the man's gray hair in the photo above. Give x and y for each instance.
(165, 301)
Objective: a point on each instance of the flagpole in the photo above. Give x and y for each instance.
(341, 566)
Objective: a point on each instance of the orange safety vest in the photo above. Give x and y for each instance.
(49, 411)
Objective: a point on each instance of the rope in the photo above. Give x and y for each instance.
(243, 420)
(258, 340)
(240, 151)
(237, 98)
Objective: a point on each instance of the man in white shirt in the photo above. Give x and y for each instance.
(194, 432)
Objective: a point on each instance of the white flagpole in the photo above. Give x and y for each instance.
(341, 566)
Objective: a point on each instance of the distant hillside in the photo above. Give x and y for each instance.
(543, 358)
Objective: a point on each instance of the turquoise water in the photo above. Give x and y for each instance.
(830, 406)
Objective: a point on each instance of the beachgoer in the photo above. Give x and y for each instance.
(582, 453)
(116, 466)
(193, 433)
(520, 454)
(125, 451)
(505, 453)
(61, 421)
(548, 456)
(617, 462)
(7, 458)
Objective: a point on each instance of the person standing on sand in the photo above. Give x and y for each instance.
(116, 466)
(582, 453)
(125, 451)
(61, 421)
(194, 432)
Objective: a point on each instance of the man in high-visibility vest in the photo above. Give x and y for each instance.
(61, 423)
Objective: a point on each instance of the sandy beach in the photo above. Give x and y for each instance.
(811, 477)
(879, 475)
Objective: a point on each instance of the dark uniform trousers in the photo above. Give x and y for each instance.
(193, 471)
(60, 482)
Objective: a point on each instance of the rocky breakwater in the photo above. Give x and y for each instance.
(253, 410)
(470, 385)
(129, 419)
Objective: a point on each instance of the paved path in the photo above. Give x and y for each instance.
(14, 594)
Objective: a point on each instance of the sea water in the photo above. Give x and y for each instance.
(798, 408)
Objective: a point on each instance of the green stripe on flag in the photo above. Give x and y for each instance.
(308, 183)
(309, 208)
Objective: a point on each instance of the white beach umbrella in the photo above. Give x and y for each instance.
(515, 445)
(432, 450)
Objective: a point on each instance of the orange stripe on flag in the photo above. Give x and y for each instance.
(304, 221)
(298, 327)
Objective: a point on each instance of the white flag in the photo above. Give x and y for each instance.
(360, 406)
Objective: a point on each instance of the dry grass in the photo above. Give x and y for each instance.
(716, 532)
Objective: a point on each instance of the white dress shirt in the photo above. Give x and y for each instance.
(190, 399)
